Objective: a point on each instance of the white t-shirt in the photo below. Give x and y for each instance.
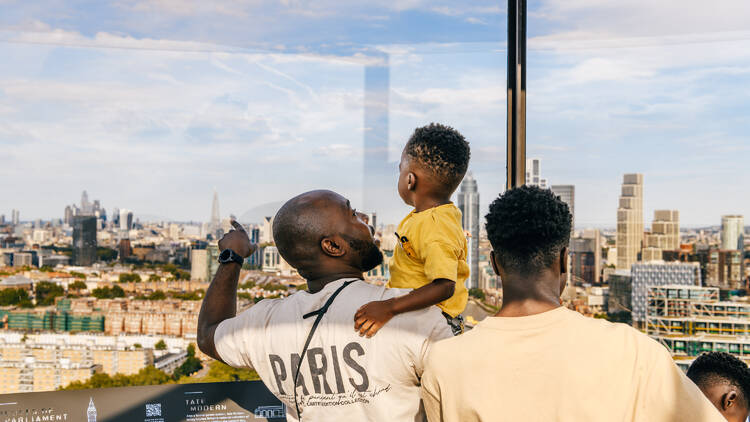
(558, 366)
(344, 376)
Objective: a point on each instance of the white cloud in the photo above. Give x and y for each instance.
(615, 18)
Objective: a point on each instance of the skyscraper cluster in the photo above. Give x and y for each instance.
(85, 207)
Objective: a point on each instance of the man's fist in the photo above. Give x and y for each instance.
(238, 241)
(372, 317)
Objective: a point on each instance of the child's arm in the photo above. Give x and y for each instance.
(373, 316)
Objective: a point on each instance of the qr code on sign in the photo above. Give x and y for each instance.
(153, 410)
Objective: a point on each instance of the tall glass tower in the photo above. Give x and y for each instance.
(468, 203)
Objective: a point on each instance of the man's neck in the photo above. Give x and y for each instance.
(520, 300)
(318, 282)
(527, 307)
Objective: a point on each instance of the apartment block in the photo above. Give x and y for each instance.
(690, 320)
(630, 221)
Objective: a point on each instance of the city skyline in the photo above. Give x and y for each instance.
(211, 215)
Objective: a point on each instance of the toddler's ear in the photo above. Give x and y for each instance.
(411, 181)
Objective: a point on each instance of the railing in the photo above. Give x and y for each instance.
(210, 402)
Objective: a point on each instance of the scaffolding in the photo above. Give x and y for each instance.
(690, 320)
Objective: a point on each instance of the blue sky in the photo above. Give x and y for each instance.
(150, 105)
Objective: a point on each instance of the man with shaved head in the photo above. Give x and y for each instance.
(303, 346)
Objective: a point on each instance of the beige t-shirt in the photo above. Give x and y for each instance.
(558, 366)
(344, 377)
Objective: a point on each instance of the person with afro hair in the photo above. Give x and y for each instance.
(431, 257)
(536, 360)
(725, 380)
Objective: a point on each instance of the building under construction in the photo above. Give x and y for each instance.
(690, 320)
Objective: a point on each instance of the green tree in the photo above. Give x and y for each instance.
(117, 292)
(194, 295)
(107, 293)
(146, 376)
(189, 367)
(106, 254)
(157, 295)
(160, 345)
(129, 278)
(9, 297)
(76, 274)
(77, 285)
(477, 293)
(46, 293)
(154, 277)
(247, 285)
(220, 372)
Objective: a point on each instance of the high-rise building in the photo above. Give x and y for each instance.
(126, 220)
(725, 269)
(732, 233)
(15, 217)
(664, 236)
(2, 218)
(266, 230)
(534, 173)
(199, 265)
(586, 257)
(468, 203)
(653, 274)
(124, 249)
(620, 292)
(567, 194)
(256, 259)
(204, 263)
(84, 240)
(68, 218)
(85, 204)
(630, 221)
(215, 215)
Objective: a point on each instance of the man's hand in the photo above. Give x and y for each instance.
(238, 241)
(373, 316)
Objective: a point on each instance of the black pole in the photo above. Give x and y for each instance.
(516, 157)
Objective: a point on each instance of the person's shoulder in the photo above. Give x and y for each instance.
(442, 223)
(611, 330)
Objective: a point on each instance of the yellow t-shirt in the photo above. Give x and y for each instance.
(558, 366)
(432, 245)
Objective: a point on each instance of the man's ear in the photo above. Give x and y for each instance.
(493, 261)
(729, 399)
(411, 181)
(563, 269)
(333, 246)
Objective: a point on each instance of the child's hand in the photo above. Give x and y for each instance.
(372, 317)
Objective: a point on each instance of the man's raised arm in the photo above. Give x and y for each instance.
(220, 302)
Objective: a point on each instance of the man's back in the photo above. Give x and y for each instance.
(343, 376)
(558, 366)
